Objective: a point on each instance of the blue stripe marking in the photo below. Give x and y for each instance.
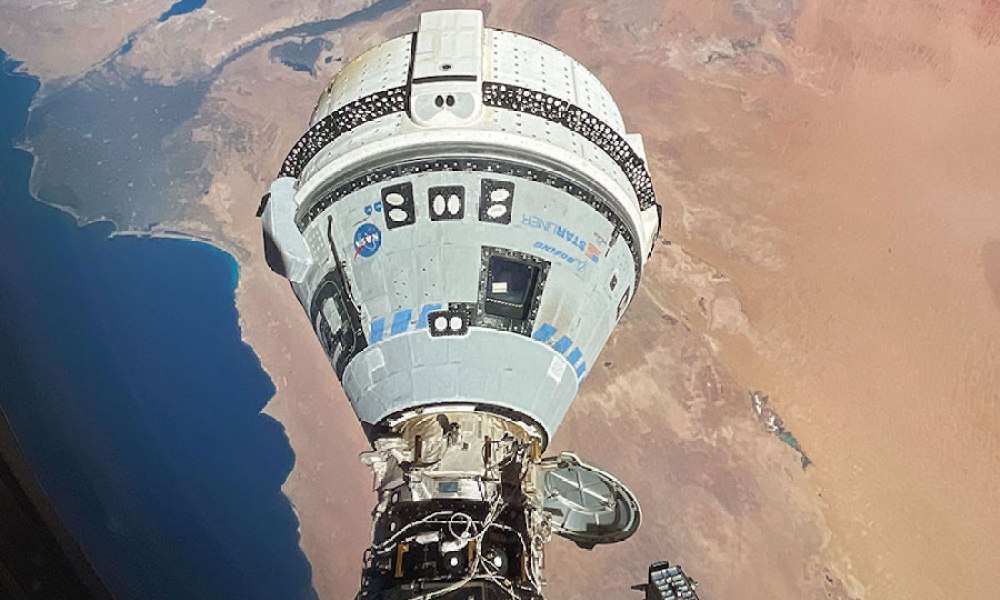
(401, 321)
(427, 309)
(580, 369)
(562, 345)
(378, 328)
(574, 356)
(544, 333)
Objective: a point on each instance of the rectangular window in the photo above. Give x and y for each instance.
(510, 287)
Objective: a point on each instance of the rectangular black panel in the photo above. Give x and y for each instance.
(448, 322)
(397, 205)
(446, 202)
(347, 340)
(495, 201)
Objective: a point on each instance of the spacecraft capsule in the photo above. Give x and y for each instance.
(464, 222)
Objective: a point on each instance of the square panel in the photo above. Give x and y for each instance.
(446, 202)
(398, 206)
(448, 322)
(495, 201)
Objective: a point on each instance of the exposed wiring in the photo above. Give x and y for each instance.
(427, 519)
(469, 525)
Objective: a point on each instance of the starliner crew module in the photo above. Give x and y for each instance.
(465, 221)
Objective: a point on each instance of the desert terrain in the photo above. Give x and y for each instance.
(831, 237)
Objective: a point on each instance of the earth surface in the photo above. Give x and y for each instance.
(830, 241)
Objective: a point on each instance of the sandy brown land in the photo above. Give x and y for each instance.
(830, 185)
(839, 170)
(213, 34)
(63, 39)
(883, 329)
(329, 488)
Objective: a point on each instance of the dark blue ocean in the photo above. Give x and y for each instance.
(124, 376)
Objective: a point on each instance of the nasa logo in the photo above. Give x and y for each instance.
(367, 240)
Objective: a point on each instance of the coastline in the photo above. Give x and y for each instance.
(225, 248)
(305, 413)
(173, 231)
(275, 408)
(326, 487)
(797, 265)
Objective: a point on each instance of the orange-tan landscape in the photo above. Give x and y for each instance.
(831, 236)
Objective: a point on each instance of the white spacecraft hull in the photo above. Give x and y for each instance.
(465, 222)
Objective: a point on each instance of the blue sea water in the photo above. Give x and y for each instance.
(181, 7)
(123, 373)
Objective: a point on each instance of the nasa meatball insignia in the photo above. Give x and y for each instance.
(367, 240)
